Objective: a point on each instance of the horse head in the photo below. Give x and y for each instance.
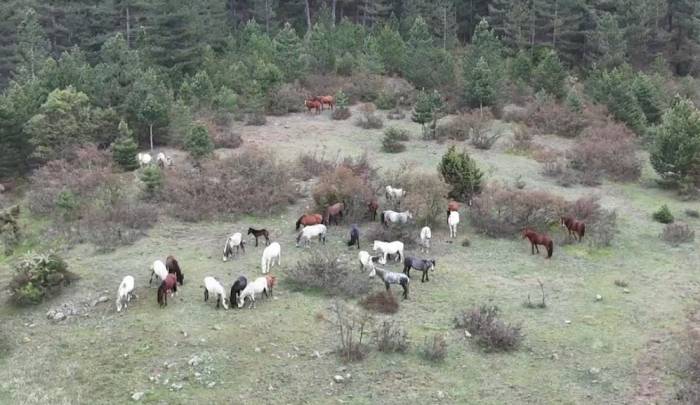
(251, 231)
(432, 264)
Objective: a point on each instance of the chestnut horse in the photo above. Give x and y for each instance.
(372, 208)
(309, 219)
(169, 285)
(539, 239)
(452, 206)
(313, 105)
(333, 212)
(575, 227)
(326, 100)
(173, 267)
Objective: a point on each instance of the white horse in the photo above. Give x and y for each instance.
(425, 236)
(395, 217)
(163, 160)
(144, 159)
(158, 269)
(259, 286)
(389, 248)
(213, 286)
(269, 255)
(126, 290)
(452, 221)
(312, 231)
(234, 241)
(395, 194)
(365, 260)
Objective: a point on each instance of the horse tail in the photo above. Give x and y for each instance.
(583, 231)
(550, 248)
(381, 218)
(299, 236)
(299, 222)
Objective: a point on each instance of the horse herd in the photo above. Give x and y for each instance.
(317, 103)
(316, 226)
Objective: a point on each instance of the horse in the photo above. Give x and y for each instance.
(313, 105)
(354, 236)
(173, 267)
(327, 100)
(124, 293)
(312, 231)
(372, 208)
(452, 221)
(574, 226)
(144, 159)
(452, 206)
(238, 286)
(389, 277)
(425, 236)
(388, 248)
(395, 217)
(169, 284)
(394, 194)
(213, 286)
(271, 282)
(259, 286)
(258, 233)
(539, 239)
(269, 255)
(333, 212)
(365, 260)
(309, 219)
(423, 265)
(163, 160)
(234, 241)
(158, 269)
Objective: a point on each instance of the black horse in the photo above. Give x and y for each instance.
(258, 233)
(238, 286)
(423, 265)
(173, 267)
(354, 236)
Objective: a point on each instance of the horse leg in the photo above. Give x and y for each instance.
(386, 285)
(256, 241)
(405, 290)
(206, 295)
(151, 279)
(532, 247)
(537, 248)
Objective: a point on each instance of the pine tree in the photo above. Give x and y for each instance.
(152, 179)
(391, 49)
(125, 148)
(609, 42)
(550, 76)
(649, 95)
(32, 44)
(288, 53)
(684, 29)
(481, 85)
(149, 102)
(481, 90)
(461, 173)
(423, 109)
(198, 142)
(521, 67)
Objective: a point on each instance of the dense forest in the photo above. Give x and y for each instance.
(99, 71)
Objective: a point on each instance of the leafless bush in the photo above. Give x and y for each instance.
(364, 87)
(552, 118)
(677, 233)
(692, 213)
(395, 114)
(425, 198)
(326, 273)
(313, 164)
(286, 99)
(607, 150)
(350, 185)
(541, 304)
(689, 392)
(515, 113)
(460, 127)
(435, 349)
(585, 209)
(490, 332)
(390, 337)
(369, 118)
(226, 138)
(341, 113)
(352, 326)
(602, 232)
(252, 182)
(553, 163)
(382, 301)
(522, 139)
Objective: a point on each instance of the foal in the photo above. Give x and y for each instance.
(539, 239)
(575, 227)
(258, 233)
(126, 290)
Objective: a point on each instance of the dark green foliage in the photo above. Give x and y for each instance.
(152, 179)
(37, 276)
(663, 215)
(615, 89)
(198, 142)
(392, 140)
(391, 49)
(484, 68)
(342, 110)
(461, 173)
(124, 149)
(428, 109)
(550, 76)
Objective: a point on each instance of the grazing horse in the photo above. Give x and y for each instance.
(333, 212)
(269, 255)
(144, 159)
(238, 286)
(163, 160)
(326, 100)
(158, 269)
(313, 105)
(213, 286)
(387, 248)
(312, 231)
(395, 217)
(271, 283)
(539, 239)
(169, 285)
(258, 233)
(259, 286)
(365, 260)
(452, 206)
(395, 194)
(354, 236)
(389, 277)
(309, 219)
(452, 221)
(425, 236)
(423, 265)
(124, 293)
(173, 267)
(372, 208)
(574, 226)
(234, 241)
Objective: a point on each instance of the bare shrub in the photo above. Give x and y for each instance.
(349, 184)
(369, 118)
(425, 198)
(313, 164)
(553, 118)
(405, 233)
(226, 138)
(400, 90)
(252, 182)
(553, 163)
(323, 272)
(491, 333)
(390, 337)
(341, 113)
(541, 304)
(692, 213)
(352, 326)
(255, 118)
(689, 393)
(677, 233)
(435, 349)
(515, 113)
(602, 232)
(502, 212)
(286, 99)
(457, 128)
(382, 301)
(585, 209)
(522, 139)
(609, 150)
(395, 114)
(365, 87)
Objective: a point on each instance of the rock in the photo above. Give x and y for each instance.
(59, 316)
(27, 339)
(598, 297)
(441, 395)
(348, 376)
(258, 350)
(197, 374)
(167, 380)
(554, 356)
(176, 387)
(467, 335)
(31, 325)
(594, 370)
(168, 365)
(316, 354)
(211, 384)
(50, 314)
(216, 327)
(102, 299)
(566, 321)
(626, 290)
(338, 379)
(194, 361)
(137, 396)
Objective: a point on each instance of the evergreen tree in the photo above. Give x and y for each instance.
(481, 89)
(483, 66)
(391, 49)
(125, 148)
(550, 76)
(32, 44)
(427, 109)
(152, 179)
(609, 42)
(425, 65)
(288, 53)
(684, 29)
(521, 67)
(149, 102)
(461, 173)
(198, 142)
(649, 96)
(320, 47)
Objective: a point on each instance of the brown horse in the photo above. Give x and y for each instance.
(327, 100)
(174, 267)
(452, 206)
(313, 105)
(271, 282)
(575, 227)
(333, 212)
(372, 208)
(309, 219)
(169, 285)
(539, 239)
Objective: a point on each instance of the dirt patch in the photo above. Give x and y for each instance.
(651, 368)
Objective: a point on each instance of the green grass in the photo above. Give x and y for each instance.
(106, 356)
